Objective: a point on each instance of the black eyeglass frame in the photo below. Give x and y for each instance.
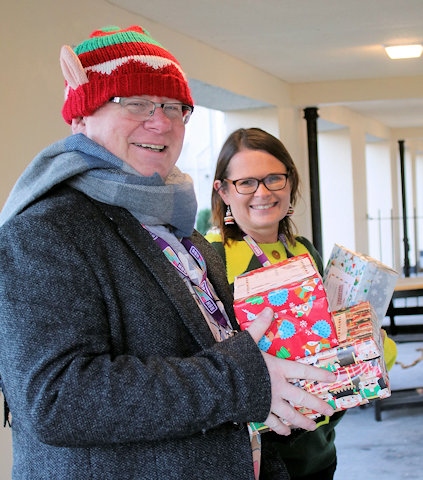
(258, 180)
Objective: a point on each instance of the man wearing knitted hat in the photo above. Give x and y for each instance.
(117, 353)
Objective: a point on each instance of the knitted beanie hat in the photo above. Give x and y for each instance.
(117, 62)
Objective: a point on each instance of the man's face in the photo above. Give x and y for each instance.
(149, 146)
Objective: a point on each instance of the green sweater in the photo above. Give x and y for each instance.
(239, 257)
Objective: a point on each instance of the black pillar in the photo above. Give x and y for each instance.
(311, 116)
(404, 210)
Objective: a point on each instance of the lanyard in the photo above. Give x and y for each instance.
(258, 252)
(202, 290)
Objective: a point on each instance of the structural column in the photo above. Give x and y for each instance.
(404, 210)
(311, 116)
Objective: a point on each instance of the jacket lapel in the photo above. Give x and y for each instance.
(140, 241)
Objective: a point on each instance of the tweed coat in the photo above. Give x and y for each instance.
(108, 366)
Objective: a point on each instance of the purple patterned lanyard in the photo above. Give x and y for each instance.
(258, 252)
(202, 290)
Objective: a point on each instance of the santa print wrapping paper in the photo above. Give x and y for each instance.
(293, 288)
(357, 361)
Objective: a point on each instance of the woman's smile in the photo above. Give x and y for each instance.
(265, 206)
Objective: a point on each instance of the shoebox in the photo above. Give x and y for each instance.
(357, 361)
(293, 288)
(350, 278)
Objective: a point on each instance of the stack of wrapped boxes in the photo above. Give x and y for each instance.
(357, 361)
(332, 323)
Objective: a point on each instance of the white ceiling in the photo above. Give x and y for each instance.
(308, 41)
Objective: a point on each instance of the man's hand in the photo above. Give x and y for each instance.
(282, 414)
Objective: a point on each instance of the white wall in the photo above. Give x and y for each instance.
(380, 202)
(336, 190)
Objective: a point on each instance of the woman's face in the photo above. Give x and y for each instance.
(257, 214)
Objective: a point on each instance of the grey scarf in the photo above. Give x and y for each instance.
(93, 170)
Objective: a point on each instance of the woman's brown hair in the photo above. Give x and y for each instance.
(251, 139)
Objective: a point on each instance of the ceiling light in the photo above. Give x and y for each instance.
(404, 51)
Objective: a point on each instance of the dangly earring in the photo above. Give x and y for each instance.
(228, 218)
(290, 211)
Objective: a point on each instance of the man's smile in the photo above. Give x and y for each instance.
(149, 146)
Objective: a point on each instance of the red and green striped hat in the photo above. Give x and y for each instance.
(117, 62)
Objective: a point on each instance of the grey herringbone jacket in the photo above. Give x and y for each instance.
(108, 366)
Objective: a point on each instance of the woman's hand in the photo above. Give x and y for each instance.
(282, 414)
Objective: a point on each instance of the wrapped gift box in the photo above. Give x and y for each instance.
(357, 361)
(350, 278)
(294, 290)
(356, 385)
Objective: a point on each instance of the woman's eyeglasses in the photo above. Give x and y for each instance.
(247, 186)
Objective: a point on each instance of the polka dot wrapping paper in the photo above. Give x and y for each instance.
(302, 324)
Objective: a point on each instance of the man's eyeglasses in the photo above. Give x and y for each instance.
(142, 109)
(247, 186)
